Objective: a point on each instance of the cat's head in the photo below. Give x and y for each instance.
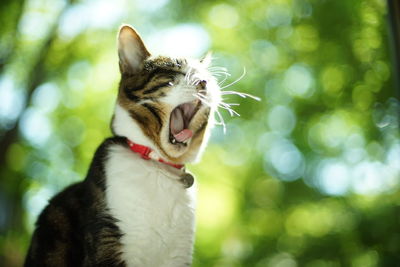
(159, 103)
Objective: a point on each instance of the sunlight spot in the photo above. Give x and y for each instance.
(354, 148)
(265, 54)
(298, 81)
(101, 14)
(77, 75)
(73, 21)
(305, 38)
(185, 40)
(362, 97)
(216, 206)
(105, 14)
(38, 18)
(332, 79)
(72, 130)
(46, 97)
(282, 120)
(313, 219)
(35, 126)
(34, 25)
(224, 16)
(235, 248)
(279, 15)
(369, 178)
(333, 177)
(333, 130)
(393, 157)
(12, 101)
(150, 6)
(284, 158)
(273, 92)
(354, 155)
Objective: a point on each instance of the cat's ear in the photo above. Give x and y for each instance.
(206, 60)
(131, 50)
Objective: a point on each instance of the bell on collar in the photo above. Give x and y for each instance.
(186, 179)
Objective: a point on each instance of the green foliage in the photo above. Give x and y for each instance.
(308, 176)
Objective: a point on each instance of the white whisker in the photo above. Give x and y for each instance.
(227, 107)
(243, 95)
(221, 122)
(222, 82)
(192, 78)
(220, 72)
(237, 80)
(203, 99)
(216, 68)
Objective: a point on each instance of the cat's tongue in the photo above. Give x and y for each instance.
(177, 125)
(183, 135)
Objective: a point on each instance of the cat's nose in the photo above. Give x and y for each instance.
(201, 84)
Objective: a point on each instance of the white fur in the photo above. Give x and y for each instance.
(155, 212)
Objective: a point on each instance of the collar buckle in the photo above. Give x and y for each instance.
(146, 153)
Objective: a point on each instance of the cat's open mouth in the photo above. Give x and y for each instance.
(181, 116)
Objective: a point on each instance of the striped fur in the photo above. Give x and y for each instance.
(144, 95)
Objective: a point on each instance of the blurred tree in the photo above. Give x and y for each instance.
(309, 176)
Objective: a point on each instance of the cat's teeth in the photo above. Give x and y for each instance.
(173, 140)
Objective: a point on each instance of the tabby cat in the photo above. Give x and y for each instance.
(135, 206)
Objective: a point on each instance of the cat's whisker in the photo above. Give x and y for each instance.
(241, 94)
(217, 71)
(235, 81)
(200, 95)
(223, 80)
(221, 122)
(217, 74)
(223, 105)
(220, 83)
(220, 72)
(217, 68)
(232, 104)
(227, 107)
(203, 99)
(214, 67)
(188, 75)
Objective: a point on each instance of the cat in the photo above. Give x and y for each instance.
(136, 205)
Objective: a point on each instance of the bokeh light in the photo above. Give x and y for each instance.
(309, 176)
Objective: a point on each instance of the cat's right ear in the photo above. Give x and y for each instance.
(131, 50)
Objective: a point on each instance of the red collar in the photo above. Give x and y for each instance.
(147, 153)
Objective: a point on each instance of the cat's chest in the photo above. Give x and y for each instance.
(155, 212)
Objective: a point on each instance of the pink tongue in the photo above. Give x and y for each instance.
(183, 135)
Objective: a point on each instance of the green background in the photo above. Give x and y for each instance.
(308, 176)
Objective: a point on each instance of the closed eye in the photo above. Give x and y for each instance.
(157, 87)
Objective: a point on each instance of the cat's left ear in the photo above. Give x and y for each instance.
(131, 50)
(206, 60)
